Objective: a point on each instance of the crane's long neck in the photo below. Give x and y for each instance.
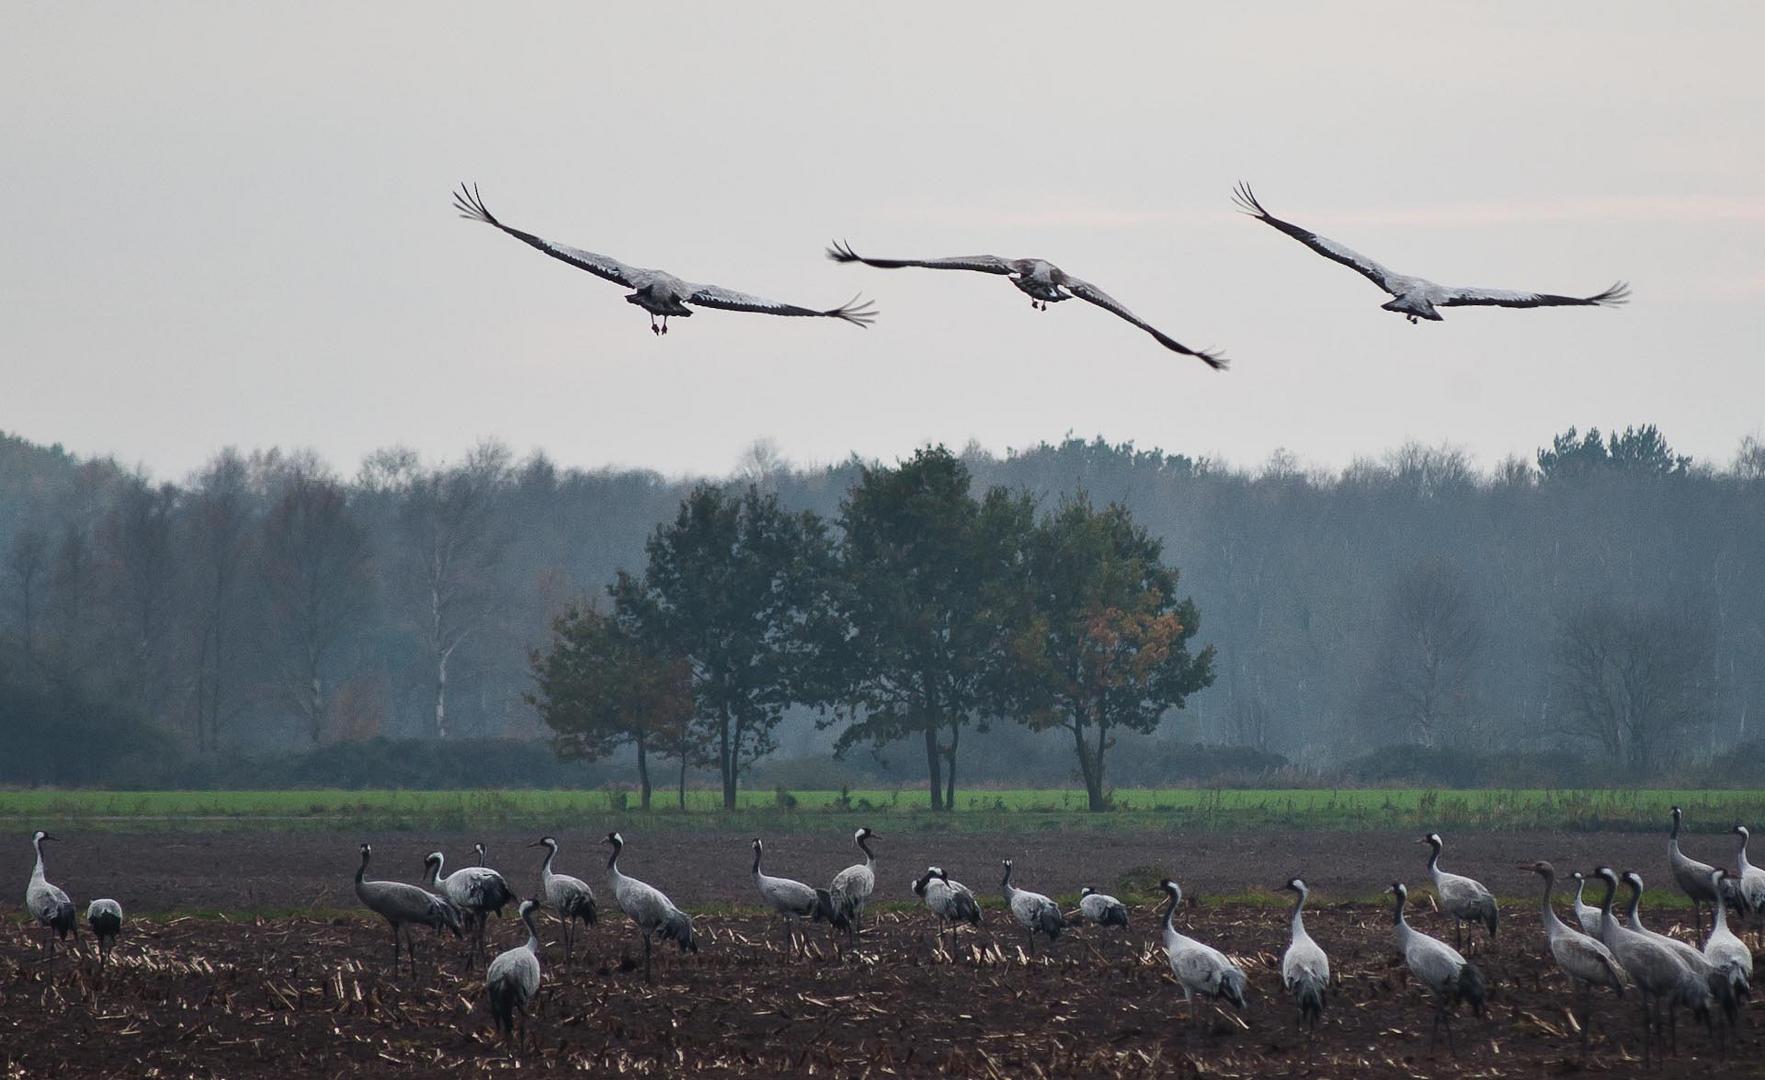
(1551, 921)
(550, 854)
(613, 863)
(1607, 924)
(1673, 837)
(1740, 856)
(1005, 884)
(37, 870)
(435, 870)
(1297, 921)
(757, 860)
(1169, 926)
(1580, 887)
(1630, 913)
(361, 872)
(864, 846)
(1433, 857)
(1721, 922)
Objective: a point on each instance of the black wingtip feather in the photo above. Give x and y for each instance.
(471, 205)
(858, 314)
(1246, 200)
(841, 252)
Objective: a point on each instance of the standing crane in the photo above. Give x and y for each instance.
(476, 891)
(1465, 899)
(1586, 914)
(1440, 968)
(793, 900)
(512, 978)
(1305, 970)
(1101, 909)
(105, 917)
(1749, 887)
(47, 903)
(1663, 980)
(404, 906)
(646, 906)
(1033, 911)
(1728, 954)
(1692, 876)
(852, 886)
(1587, 962)
(1702, 969)
(951, 901)
(1200, 969)
(570, 897)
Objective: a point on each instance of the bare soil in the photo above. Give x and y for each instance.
(308, 995)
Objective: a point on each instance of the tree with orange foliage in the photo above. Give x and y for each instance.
(1104, 638)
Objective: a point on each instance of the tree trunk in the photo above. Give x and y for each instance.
(441, 693)
(1096, 791)
(933, 764)
(726, 757)
(683, 778)
(1089, 769)
(643, 773)
(950, 764)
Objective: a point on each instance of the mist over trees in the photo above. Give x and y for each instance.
(1606, 598)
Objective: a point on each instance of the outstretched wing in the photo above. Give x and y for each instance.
(468, 203)
(715, 296)
(986, 264)
(1329, 249)
(1090, 293)
(1615, 296)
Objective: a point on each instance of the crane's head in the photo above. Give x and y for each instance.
(757, 844)
(1607, 875)
(1634, 880)
(937, 872)
(1741, 831)
(615, 839)
(920, 882)
(479, 848)
(546, 842)
(1295, 885)
(1172, 890)
(1086, 890)
(1578, 875)
(1717, 873)
(863, 834)
(1541, 868)
(1432, 840)
(528, 907)
(39, 836)
(432, 859)
(1676, 812)
(1398, 890)
(367, 849)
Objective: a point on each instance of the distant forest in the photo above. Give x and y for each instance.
(1601, 606)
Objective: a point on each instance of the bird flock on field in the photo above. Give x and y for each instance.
(1599, 949)
(665, 296)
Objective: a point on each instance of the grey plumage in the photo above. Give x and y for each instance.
(645, 905)
(1416, 297)
(1040, 280)
(1465, 899)
(476, 891)
(1101, 909)
(1586, 915)
(1200, 969)
(1305, 970)
(1728, 955)
(569, 897)
(512, 979)
(1703, 971)
(1692, 876)
(657, 292)
(1439, 967)
(1586, 961)
(404, 906)
(1033, 911)
(950, 901)
(105, 917)
(1748, 896)
(46, 903)
(851, 887)
(793, 900)
(1663, 980)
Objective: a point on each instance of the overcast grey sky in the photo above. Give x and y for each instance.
(229, 224)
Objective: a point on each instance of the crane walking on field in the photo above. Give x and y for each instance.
(1586, 961)
(1749, 891)
(1033, 911)
(1200, 969)
(1728, 954)
(1440, 968)
(1305, 970)
(570, 897)
(404, 906)
(793, 900)
(1465, 899)
(105, 917)
(646, 906)
(1663, 980)
(1692, 876)
(512, 978)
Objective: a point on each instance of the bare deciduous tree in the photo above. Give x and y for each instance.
(218, 537)
(315, 565)
(1423, 673)
(1632, 679)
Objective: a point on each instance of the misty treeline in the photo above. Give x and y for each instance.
(1603, 602)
